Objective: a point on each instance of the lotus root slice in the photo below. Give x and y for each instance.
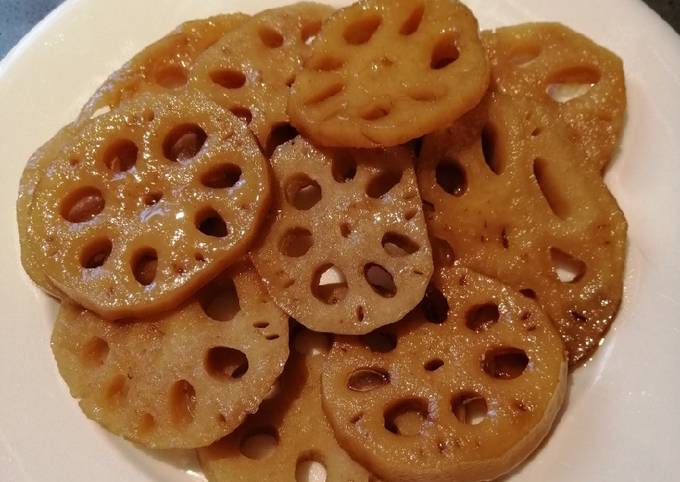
(291, 424)
(381, 73)
(346, 249)
(250, 70)
(507, 197)
(164, 65)
(148, 203)
(463, 389)
(182, 380)
(582, 80)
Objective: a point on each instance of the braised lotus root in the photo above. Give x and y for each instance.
(148, 203)
(163, 65)
(381, 73)
(555, 65)
(347, 248)
(250, 70)
(30, 177)
(291, 424)
(507, 196)
(466, 390)
(183, 380)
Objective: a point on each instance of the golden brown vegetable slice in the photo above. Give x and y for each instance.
(381, 73)
(583, 81)
(506, 194)
(250, 70)
(163, 65)
(182, 380)
(347, 249)
(148, 203)
(35, 168)
(289, 434)
(463, 389)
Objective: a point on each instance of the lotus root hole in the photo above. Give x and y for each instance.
(524, 54)
(172, 77)
(489, 142)
(345, 230)
(182, 402)
(144, 266)
(376, 112)
(362, 29)
(309, 31)
(296, 242)
(121, 155)
(360, 313)
(270, 37)
(226, 363)
(310, 468)
(383, 183)
(302, 192)
(550, 187)
(480, 318)
(95, 351)
(272, 337)
(379, 341)
(280, 134)
(380, 280)
(367, 379)
(572, 83)
(412, 22)
(116, 390)
(451, 177)
(329, 284)
(311, 343)
(147, 423)
(469, 408)
(435, 306)
(343, 167)
(406, 417)
(222, 176)
(95, 253)
(433, 364)
(184, 142)
(398, 245)
(82, 205)
(242, 113)
(326, 63)
(152, 198)
(567, 268)
(219, 300)
(325, 93)
(260, 444)
(442, 252)
(211, 223)
(445, 52)
(528, 293)
(229, 79)
(505, 363)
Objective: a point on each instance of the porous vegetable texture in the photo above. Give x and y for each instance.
(347, 249)
(383, 72)
(289, 432)
(250, 70)
(506, 196)
(162, 66)
(463, 389)
(583, 81)
(148, 203)
(182, 380)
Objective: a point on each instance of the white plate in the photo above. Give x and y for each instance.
(623, 417)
